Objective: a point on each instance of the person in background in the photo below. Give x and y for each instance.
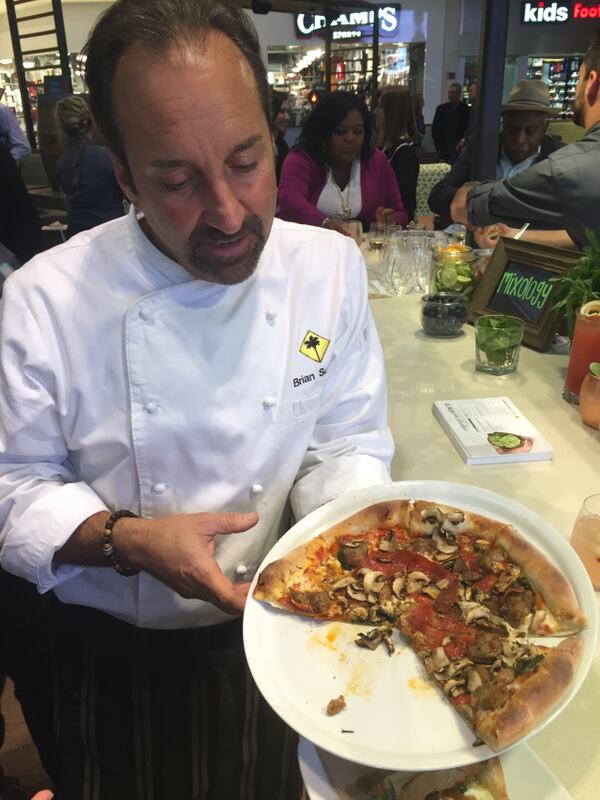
(523, 142)
(396, 131)
(85, 171)
(11, 136)
(419, 119)
(141, 362)
(450, 124)
(280, 110)
(20, 229)
(559, 193)
(334, 175)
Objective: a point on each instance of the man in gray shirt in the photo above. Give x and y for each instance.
(561, 192)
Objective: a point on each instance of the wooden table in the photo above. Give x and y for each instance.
(422, 369)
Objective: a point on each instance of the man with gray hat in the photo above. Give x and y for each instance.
(559, 194)
(523, 142)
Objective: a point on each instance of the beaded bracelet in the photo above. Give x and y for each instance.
(107, 546)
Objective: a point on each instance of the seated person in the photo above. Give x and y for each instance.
(85, 171)
(334, 175)
(396, 134)
(523, 142)
(280, 118)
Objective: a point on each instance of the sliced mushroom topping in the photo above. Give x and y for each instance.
(456, 667)
(342, 583)
(452, 684)
(357, 614)
(432, 516)
(440, 659)
(508, 577)
(388, 542)
(377, 613)
(339, 598)
(443, 584)
(363, 571)
(374, 582)
(388, 640)
(415, 581)
(474, 681)
(370, 640)
(355, 594)
(453, 522)
(443, 545)
(474, 611)
(432, 591)
(398, 585)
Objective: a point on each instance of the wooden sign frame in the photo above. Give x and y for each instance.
(508, 251)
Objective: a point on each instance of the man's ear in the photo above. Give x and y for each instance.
(592, 88)
(124, 179)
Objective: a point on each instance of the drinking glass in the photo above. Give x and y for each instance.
(356, 230)
(497, 343)
(585, 348)
(585, 537)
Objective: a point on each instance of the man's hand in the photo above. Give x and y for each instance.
(489, 236)
(386, 216)
(337, 225)
(458, 207)
(179, 551)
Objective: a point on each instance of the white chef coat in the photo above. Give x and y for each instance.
(126, 383)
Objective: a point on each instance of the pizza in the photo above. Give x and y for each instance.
(469, 593)
(481, 781)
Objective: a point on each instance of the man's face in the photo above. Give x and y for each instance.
(579, 99)
(522, 133)
(454, 94)
(200, 156)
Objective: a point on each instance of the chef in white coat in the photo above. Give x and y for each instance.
(170, 381)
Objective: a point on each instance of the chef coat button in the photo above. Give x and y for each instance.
(271, 316)
(145, 315)
(151, 408)
(269, 402)
(159, 488)
(242, 569)
(257, 488)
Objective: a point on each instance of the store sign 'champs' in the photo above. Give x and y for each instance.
(540, 11)
(354, 25)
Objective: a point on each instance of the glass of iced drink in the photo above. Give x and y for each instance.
(586, 537)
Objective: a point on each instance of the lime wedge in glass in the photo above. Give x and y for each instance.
(448, 276)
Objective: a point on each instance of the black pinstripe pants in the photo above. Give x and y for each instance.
(163, 715)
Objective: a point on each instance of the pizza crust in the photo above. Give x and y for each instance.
(532, 699)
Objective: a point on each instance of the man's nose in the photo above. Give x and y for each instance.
(223, 210)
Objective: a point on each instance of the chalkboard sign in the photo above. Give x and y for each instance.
(518, 281)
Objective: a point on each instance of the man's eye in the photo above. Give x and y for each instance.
(177, 187)
(244, 168)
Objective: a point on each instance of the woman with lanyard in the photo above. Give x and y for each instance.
(333, 176)
(396, 133)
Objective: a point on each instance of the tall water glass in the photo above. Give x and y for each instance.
(585, 537)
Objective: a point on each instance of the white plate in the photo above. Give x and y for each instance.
(527, 777)
(397, 719)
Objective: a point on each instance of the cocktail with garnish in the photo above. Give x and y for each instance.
(452, 269)
(497, 343)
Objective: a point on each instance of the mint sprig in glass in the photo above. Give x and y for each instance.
(498, 343)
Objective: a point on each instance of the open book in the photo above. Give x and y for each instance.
(491, 430)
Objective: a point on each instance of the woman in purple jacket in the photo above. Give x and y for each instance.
(333, 175)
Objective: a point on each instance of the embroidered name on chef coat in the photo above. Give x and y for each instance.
(314, 346)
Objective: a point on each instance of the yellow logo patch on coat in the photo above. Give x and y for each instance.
(314, 346)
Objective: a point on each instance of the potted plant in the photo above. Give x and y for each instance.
(580, 284)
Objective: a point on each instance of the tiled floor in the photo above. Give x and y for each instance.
(19, 757)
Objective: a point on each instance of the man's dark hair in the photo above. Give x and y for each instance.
(325, 118)
(159, 26)
(591, 59)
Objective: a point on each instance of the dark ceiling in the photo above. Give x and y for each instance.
(308, 7)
